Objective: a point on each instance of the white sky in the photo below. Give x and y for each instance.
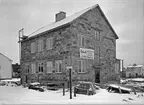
(125, 16)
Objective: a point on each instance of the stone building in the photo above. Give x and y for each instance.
(86, 41)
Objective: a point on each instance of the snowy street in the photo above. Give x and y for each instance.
(20, 95)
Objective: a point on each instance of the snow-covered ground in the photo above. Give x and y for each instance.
(20, 95)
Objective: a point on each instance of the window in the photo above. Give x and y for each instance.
(97, 54)
(97, 50)
(27, 68)
(49, 43)
(81, 66)
(40, 45)
(33, 47)
(81, 41)
(33, 68)
(97, 35)
(49, 67)
(41, 67)
(58, 66)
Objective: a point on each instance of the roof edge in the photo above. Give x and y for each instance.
(108, 22)
(6, 57)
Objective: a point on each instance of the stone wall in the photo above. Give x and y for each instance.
(86, 25)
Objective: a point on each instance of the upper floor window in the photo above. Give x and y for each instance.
(81, 41)
(33, 47)
(41, 67)
(97, 54)
(49, 43)
(97, 35)
(40, 45)
(58, 66)
(33, 68)
(81, 66)
(49, 67)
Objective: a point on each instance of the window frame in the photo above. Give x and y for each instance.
(57, 70)
(51, 67)
(97, 54)
(33, 68)
(81, 41)
(49, 41)
(40, 66)
(82, 63)
(97, 35)
(33, 47)
(40, 45)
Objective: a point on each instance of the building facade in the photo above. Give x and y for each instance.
(134, 71)
(86, 41)
(5, 67)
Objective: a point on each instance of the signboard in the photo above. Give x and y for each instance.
(69, 67)
(86, 53)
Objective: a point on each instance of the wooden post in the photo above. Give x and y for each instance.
(74, 92)
(70, 82)
(63, 89)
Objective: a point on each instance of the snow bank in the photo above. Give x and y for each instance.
(20, 95)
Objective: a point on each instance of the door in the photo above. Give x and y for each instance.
(97, 76)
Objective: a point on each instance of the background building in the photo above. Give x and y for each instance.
(135, 71)
(86, 41)
(16, 70)
(5, 67)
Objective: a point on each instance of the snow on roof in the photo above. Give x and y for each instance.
(12, 80)
(5, 56)
(62, 22)
(135, 66)
(117, 86)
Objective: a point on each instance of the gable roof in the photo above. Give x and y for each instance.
(66, 21)
(5, 56)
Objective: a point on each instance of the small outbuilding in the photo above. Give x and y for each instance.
(5, 67)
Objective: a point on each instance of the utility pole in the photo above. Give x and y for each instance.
(21, 33)
(122, 65)
(19, 41)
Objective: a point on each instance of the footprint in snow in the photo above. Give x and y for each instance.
(125, 100)
(130, 99)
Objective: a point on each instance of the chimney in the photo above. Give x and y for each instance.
(61, 15)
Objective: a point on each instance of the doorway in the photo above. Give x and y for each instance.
(97, 76)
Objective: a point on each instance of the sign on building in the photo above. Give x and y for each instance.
(86, 53)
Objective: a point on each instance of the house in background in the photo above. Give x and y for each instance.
(16, 70)
(86, 41)
(5, 67)
(135, 71)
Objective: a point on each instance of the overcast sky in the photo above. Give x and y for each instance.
(125, 16)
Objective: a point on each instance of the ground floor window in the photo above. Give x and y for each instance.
(58, 66)
(81, 66)
(33, 68)
(41, 67)
(27, 68)
(49, 67)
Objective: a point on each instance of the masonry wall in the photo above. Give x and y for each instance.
(86, 25)
(60, 51)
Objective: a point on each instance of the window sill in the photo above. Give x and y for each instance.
(81, 72)
(58, 72)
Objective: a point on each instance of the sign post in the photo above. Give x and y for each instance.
(70, 80)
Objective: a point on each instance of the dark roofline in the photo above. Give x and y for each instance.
(108, 22)
(6, 56)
